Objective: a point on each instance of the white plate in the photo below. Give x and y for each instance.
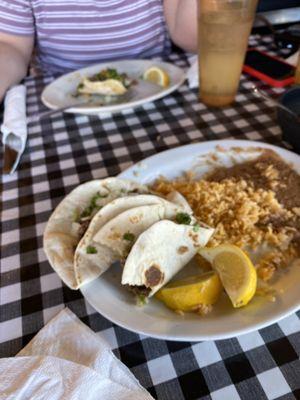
(60, 93)
(111, 300)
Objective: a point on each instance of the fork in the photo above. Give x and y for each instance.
(96, 102)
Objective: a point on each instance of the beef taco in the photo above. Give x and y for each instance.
(92, 258)
(120, 233)
(72, 216)
(160, 252)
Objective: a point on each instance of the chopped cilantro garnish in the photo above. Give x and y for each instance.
(129, 236)
(96, 197)
(196, 227)
(91, 250)
(183, 218)
(76, 216)
(141, 300)
(86, 212)
(105, 74)
(93, 206)
(109, 73)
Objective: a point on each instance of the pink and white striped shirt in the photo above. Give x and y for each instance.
(71, 34)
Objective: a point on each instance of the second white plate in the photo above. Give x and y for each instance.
(60, 93)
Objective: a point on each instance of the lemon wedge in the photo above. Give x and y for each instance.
(190, 293)
(236, 272)
(157, 75)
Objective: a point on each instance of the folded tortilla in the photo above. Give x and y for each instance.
(177, 198)
(160, 252)
(120, 233)
(89, 265)
(62, 232)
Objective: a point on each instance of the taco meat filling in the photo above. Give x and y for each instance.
(83, 227)
(153, 276)
(139, 290)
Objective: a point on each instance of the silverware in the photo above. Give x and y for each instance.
(265, 96)
(48, 114)
(11, 156)
(97, 101)
(9, 159)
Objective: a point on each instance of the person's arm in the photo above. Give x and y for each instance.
(15, 54)
(181, 18)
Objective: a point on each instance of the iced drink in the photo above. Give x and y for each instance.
(223, 32)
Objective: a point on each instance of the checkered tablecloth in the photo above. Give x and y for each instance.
(67, 150)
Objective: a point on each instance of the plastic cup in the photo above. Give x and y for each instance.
(224, 27)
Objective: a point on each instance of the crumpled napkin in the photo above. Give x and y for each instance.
(66, 360)
(14, 127)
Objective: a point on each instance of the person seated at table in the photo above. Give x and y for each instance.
(71, 34)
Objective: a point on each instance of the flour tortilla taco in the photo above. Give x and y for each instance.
(72, 216)
(177, 198)
(121, 232)
(92, 258)
(160, 252)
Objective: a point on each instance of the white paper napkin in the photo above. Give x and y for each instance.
(192, 73)
(14, 127)
(66, 360)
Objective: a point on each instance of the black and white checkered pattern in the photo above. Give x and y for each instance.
(67, 150)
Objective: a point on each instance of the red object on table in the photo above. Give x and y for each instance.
(267, 68)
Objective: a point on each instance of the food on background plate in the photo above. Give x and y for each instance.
(108, 82)
(157, 75)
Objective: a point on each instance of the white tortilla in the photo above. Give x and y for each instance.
(89, 266)
(166, 246)
(61, 234)
(177, 198)
(134, 221)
